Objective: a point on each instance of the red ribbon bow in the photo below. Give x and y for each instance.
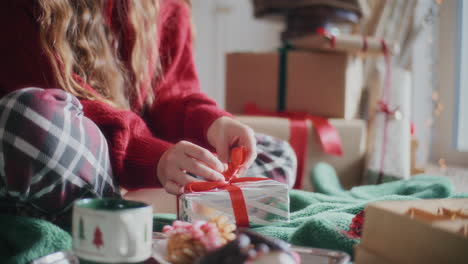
(384, 108)
(327, 135)
(238, 156)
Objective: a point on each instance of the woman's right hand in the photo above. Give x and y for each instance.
(182, 158)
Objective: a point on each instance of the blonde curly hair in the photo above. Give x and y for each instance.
(77, 40)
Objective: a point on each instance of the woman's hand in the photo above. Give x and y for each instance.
(185, 157)
(226, 133)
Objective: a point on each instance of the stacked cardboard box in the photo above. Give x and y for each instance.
(348, 167)
(325, 84)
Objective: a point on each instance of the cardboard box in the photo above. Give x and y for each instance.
(323, 84)
(393, 234)
(349, 167)
(365, 256)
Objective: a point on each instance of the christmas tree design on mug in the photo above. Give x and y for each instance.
(97, 241)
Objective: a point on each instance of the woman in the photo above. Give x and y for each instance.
(126, 82)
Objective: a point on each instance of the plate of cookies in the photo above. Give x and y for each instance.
(218, 241)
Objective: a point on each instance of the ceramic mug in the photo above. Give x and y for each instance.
(112, 231)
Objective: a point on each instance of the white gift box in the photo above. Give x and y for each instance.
(391, 155)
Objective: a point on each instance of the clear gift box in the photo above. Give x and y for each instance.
(267, 201)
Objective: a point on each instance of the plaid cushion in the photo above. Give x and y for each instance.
(275, 160)
(50, 154)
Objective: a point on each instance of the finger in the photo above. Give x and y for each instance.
(250, 144)
(251, 156)
(183, 178)
(173, 188)
(242, 171)
(204, 156)
(200, 169)
(223, 153)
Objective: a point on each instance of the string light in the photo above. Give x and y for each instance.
(442, 164)
(435, 105)
(429, 122)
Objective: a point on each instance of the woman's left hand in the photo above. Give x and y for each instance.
(226, 133)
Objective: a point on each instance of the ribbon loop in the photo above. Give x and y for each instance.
(384, 108)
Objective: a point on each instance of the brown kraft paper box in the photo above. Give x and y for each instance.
(364, 256)
(389, 232)
(323, 84)
(349, 167)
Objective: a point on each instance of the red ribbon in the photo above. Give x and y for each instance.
(364, 44)
(235, 192)
(327, 135)
(323, 32)
(384, 108)
(299, 135)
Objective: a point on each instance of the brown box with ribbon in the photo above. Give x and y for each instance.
(352, 136)
(324, 84)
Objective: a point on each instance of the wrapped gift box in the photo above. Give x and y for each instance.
(349, 166)
(323, 84)
(389, 145)
(266, 202)
(416, 232)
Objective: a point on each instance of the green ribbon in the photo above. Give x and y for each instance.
(282, 75)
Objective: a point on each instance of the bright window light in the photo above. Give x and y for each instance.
(461, 129)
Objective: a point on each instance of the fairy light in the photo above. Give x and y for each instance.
(442, 164)
(435, 105)
(429, 122)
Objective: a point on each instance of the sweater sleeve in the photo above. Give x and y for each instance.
(134, 152)
(180, 110)
(23, 63)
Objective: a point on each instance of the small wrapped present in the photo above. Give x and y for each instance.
(245, 201)
(389, 146)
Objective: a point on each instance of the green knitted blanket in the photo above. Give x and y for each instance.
(318, 219)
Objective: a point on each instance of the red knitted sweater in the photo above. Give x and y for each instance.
(181, 110)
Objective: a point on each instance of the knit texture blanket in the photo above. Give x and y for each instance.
(24, 239)
(318, 219)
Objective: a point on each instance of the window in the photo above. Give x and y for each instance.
(450, 141)
(461, 125)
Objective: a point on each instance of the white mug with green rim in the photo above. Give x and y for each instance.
(112, 231)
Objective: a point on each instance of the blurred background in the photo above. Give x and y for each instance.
(412, 108)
